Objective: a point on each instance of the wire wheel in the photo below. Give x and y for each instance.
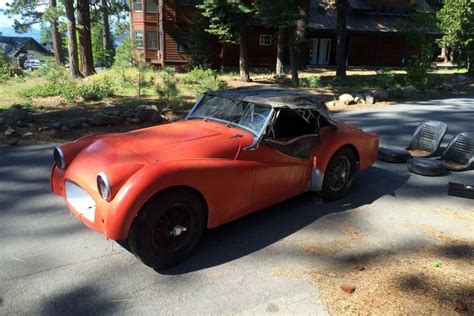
(172, 228)
(339, 173)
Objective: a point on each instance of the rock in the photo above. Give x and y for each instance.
(146, 107)
(358, 267)
(157, 118)
(359, 99)
(459, 306)
(346, 98)
(100, 119)
(28, 134)
(12, 116)
(369, 99)
(57, 125)
(10, 131)
(348, 288)
(146, 115)
(133, 120)
(20, 123)
(77, 122)
(65, 129)
(409, 91)
(128, 113)
(381, 95)
(446, 86)
(2, 121)
(85, 125)
(460, 79)
(113, 112)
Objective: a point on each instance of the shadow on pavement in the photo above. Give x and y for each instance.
(259, 230)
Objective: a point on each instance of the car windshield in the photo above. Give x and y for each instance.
(249, 116)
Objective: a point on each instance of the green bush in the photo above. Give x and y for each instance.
(94, 90)
(417, 72)
(311, 82)
(168, 89)
(70, 90)
(53, 72)
(203, 80)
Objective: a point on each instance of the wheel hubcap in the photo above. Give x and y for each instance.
(171, 229)
(338, 173)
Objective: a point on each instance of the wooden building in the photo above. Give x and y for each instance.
(374, 37)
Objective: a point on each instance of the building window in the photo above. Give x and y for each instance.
(189, 2)
(137, 6)
(265, 40)
(152, 40)
(151, 6)
(181, 38)
(139, 39)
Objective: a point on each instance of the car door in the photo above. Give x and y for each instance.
(277, 176)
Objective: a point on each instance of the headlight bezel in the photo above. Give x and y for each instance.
(104, 187)
(59, 158)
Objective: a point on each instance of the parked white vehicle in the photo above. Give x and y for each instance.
(32, 64)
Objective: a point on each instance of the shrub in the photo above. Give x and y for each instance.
(203, 80)
(168, 89)
(311, 82)
(94, 90)
(417, 72)
(48, 89)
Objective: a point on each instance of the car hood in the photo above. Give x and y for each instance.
(175, 141)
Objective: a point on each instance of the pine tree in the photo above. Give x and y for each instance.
(228, 20)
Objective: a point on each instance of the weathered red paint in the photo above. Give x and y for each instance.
(201, 155)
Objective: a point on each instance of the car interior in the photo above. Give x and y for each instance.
(295, 132)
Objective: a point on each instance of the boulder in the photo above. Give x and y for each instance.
(147, 115)
(146, 107)
(65, 129)
(409, 91)
(113, 112)
(57, 125)
(10, 131)
(128, 113)
(381, 95)
(460, 79)
(85, 125)
(346, 98)
(369, 99)
(28, 134)
(133, 120)
(77, 122)
(101, 119)
(12, 116)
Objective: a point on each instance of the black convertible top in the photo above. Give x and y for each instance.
(277, 98)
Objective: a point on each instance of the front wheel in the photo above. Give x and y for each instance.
(339, 174)
(168, 228)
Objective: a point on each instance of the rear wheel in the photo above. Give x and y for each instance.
(339, 174)
(168, 228)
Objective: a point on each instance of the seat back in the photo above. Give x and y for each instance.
(461, 150)
(428, 136)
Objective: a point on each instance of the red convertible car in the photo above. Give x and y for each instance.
(237, 151)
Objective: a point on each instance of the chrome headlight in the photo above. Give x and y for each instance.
(59, 157)
(103, 185)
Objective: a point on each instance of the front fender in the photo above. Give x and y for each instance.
(208, 176)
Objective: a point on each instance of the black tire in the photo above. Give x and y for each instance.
(156, 236)
(426, 167)
(339, 174)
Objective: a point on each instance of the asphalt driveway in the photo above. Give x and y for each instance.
(51, 264)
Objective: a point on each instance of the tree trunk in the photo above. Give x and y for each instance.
(279, 70)
(244, 71)
(301, 36)
(341, 38)
(293, 48)
(85, 43)
(107, 45)
(72, 40)
(56, 38)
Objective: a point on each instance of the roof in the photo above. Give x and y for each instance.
(277, 98)
(360, 22)
(12, 45)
